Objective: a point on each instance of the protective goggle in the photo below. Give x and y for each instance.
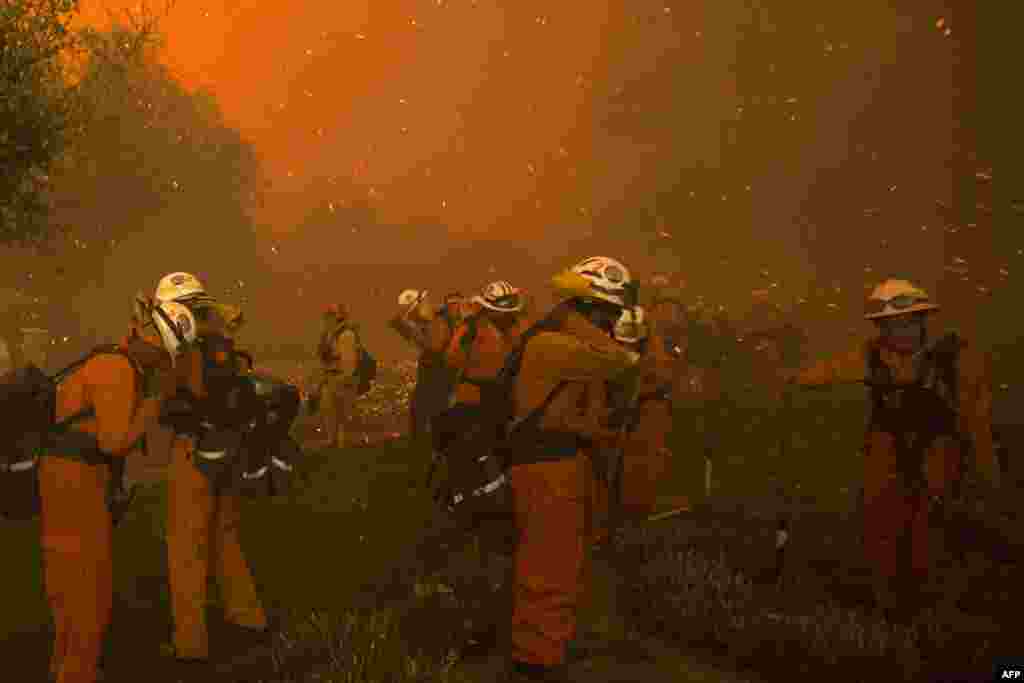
(897, 303)
(507, 301)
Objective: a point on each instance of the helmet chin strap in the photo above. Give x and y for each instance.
(182, 342)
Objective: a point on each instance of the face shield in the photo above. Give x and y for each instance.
(176, 327)
(906, 333)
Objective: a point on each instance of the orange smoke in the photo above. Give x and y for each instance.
(463, 110)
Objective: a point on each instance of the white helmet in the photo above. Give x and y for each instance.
(632, 326)
(897, 297)
(501, 297)
(181, 287)
(608, 278)
(176, 325)
(409, 297)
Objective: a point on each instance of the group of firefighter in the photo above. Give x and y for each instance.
(596, 374)
(109, 408)
(598, 351)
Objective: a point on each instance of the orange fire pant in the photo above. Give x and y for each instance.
(202, 537)
(646, 459)
(549, 560)
(896, 523)
(78, 564)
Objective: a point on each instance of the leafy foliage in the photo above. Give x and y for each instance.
(37, 109)
(149, 141)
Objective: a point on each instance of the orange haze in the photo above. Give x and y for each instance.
(417, 100)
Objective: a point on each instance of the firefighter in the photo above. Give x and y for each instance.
(430, 332)
(646, 453)
(479, 343)
(202, 522)
(547, 459)
(75, 474)
(928, 401)
(476, 353)
(339, 358)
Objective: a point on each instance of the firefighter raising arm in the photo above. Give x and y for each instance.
(846, 368)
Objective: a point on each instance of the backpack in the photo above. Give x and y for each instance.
(242, 427)
(917, 414)
(28, 399)
(366, 364)
(497, 405)
(269, 453)
(218, 420)
(230, 400)
(473, 442)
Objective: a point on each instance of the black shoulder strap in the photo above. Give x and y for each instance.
(537, 412)
(64, 373)
(548, 323)
(70, 369)
(114, 349)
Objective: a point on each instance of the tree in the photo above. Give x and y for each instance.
(159, 153)
(37, 110)
(141, 157)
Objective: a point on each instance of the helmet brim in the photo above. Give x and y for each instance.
(607, 298)
(893, 312)
(497, 309)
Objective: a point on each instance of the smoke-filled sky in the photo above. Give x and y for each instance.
(484, 117)
(449, 108)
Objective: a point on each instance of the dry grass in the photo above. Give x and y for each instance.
(417, 642)
(684, 593)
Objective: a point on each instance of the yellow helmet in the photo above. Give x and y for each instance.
(183, 288)
(897, 297)
(598, 277)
